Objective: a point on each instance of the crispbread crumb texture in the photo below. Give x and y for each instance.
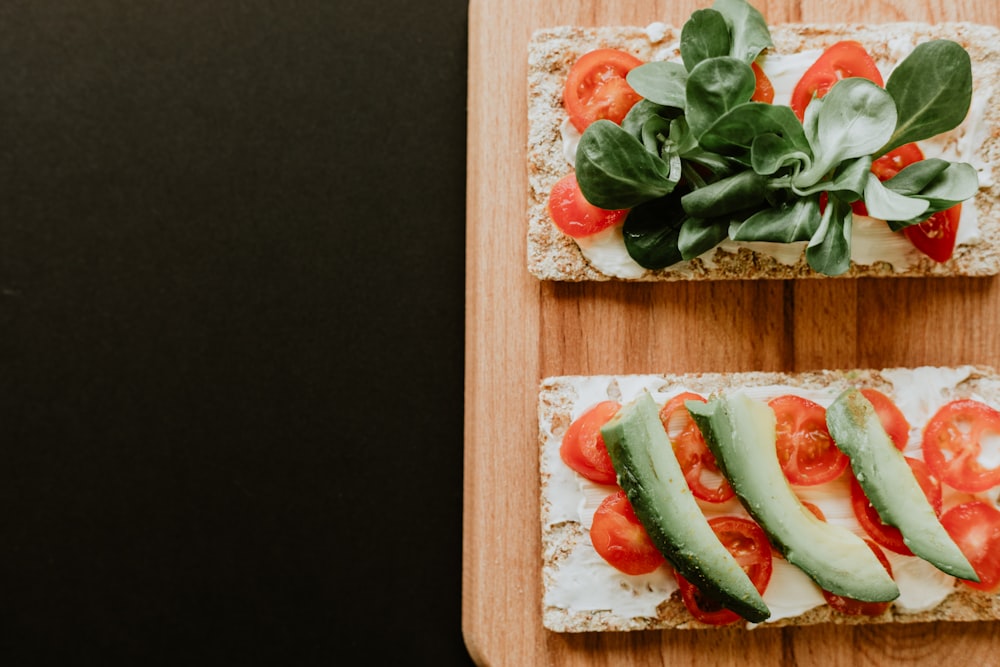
(556, 399)
(553, 255)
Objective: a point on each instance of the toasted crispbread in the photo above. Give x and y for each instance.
(599, 598)
(553, 255)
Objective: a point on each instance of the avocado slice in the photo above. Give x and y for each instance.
(649, 473)
(888, 481)
(740, 431)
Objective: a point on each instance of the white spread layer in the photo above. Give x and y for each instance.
(569, 497)
(872, 240)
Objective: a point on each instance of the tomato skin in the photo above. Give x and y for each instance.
(596, 87)
(936, 236)
(574, 215)
(748, 544)
(853, 607)
(952, 443)
(620, 539)
(583, 447)
(893, 420)
(806, 451)
(697, 462)
(885, 535)
(975, 527)
(763, 90)
(842, 60)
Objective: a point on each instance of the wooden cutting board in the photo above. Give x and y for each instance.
(519, 330)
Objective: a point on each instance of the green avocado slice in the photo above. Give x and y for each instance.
(648, 471)
(888, 481)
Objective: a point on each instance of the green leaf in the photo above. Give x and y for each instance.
(660, 82)
(705, 35)
(770, 153)
(651, 232)
(848, 181)
(741, 190)
(932, 88)
(957, 182)
(796, 221)
(854, 119)
(887, 204)
(615, 171)
(714, 87)
(641, 112)
(829, 250)
(734, 132)
(916, 176)
(698, 236)
(748, 27)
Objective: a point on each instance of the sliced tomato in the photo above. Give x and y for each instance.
(806, 451)
(953, 444)
(853, 607)
(619, 537)
(893, 162)
(596, 87)
(935, 236)
(748, 544)
(576, 216)
(583, 447)
(884, 534)
(764, 90)
(842, 60)
(697, 462)
(893, 420)
(975, 527)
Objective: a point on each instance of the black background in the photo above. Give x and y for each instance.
(231, 331)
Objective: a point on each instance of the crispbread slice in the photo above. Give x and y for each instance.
(554, 256)
(581, 593)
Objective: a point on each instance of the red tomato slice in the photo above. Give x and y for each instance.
(697, 461)
(854, 607)
(953, 443)
(583, 447)
(975, 527)
(747, 542)
(764, 90)
(884, 534)
(892, 418)
(596, 87)
(840, 61)
(935, 236)
(806, 450)
(620, 538)
(576, 216)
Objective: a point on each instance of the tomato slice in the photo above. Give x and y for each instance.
(620, 539)
(953, 444)
(893, 162)
(935, 236)
(842, 60)
(806, 451)
(576, 216)
(583, 447)
(748, 544)
(763, 90)
(893, 420)
(697, 462)
(853, 607)
(596, 87)
(884, 534)
(975, 527)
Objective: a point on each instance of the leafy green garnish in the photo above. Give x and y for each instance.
(698, 162)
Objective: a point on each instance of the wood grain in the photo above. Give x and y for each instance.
(519, 330)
